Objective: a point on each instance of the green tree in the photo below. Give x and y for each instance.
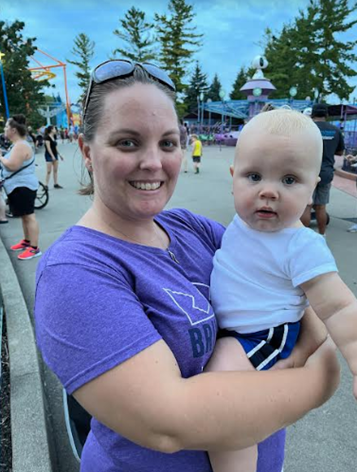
(198, 84)
(214, 89)
(178, 40)
(137, 33)
(310, 53)
(83, 49)
(241, 79)
(24, 93)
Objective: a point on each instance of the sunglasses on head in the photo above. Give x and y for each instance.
(116, 68)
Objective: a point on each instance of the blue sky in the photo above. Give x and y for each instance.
(232, 30)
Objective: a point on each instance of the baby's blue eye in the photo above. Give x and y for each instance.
(254, 177)
(289, 180)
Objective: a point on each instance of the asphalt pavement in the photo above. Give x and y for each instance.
(325, 440)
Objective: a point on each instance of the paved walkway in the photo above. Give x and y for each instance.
(324, 441)
(346, 185)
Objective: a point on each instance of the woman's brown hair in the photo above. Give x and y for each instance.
(18, 122)
(95, 107)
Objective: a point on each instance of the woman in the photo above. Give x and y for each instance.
(51, 156)
(139, 290)
(353, 160)
(21, 184)
(183, 143)
(3, 219)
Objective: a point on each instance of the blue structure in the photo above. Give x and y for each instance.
(240, 108)
(4, 89)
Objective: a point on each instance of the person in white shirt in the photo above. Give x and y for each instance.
(270, 266)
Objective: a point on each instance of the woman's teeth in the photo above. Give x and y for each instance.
(146, 186)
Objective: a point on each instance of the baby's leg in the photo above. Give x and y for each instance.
(229, 355)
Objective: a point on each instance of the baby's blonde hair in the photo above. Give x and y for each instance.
(283, 122)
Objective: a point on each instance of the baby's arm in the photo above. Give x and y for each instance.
(336, 306)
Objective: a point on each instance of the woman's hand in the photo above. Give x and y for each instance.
(327, 369)
(62, 158)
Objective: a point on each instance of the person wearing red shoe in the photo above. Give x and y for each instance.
(20, 184)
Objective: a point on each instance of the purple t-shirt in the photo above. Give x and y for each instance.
(101, 300)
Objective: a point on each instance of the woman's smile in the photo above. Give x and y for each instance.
(142, 185)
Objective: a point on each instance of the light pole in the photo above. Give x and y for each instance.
(198, 109)
(4, 87)
(202, 110)
(292, 93)
(222, 94)
(209, 100)
(257, 91)
(316, 94)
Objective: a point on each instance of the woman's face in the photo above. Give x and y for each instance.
(8, 131)
(136, 154)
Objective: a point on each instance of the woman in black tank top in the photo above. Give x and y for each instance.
(51, 156)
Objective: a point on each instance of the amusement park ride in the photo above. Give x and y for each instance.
(41, 72)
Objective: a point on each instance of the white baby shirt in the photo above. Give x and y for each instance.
(256, 275)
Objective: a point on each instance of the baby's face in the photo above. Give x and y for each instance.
(274, 178)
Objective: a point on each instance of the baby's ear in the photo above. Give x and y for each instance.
(231, 170)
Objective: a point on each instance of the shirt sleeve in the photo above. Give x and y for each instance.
(309, 257)
(211, 229)
(87, 322)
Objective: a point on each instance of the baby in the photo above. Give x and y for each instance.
(269, 265)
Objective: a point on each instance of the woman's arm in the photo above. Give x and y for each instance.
(146, 400)
(19, 155)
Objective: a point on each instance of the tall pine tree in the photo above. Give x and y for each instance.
(178, 40)
(214, 89)
(241, 79)
(83, 49)
(198, 84)
(311, 54)
(137, 33)
(24, 93)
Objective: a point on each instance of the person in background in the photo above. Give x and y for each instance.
(140, 293)
(51, 156)
(196, 152)
(3, 219)
(333, 143)
(21, 185)
(32, 138)
(353, 160)
(183, 143)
